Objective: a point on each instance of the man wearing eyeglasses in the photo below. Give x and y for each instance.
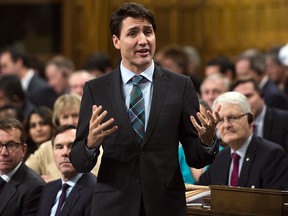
(20, 187)
(248, 160)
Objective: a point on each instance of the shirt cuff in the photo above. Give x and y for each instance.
(213, 148)
(91, 153)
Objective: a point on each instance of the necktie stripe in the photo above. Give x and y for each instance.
(136, 112)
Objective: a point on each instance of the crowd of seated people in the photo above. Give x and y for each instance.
(44, 108)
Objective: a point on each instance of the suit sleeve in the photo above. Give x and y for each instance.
(78, 155)
(196, 154)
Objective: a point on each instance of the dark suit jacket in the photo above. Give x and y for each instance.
(20, 196)
(77, 203)
(265, 166)
(273, 97)
(275, 127)
(40, 93)
(150, 172)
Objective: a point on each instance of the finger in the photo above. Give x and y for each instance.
(203, 121)
(195, 124)
(95, 113)
(104, 125)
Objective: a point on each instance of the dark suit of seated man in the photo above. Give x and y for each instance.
(260, 164)
(20, 187)
(78, 194)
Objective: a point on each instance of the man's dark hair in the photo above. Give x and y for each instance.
(224, 63)
(11, 86)
(98, 61)
(243, 81)
(62, 129)
(9, 123)
(130, 9)
(17, 54)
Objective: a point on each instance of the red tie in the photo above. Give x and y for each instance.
(235, 171)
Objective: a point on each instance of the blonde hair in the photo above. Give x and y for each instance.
(63, 103)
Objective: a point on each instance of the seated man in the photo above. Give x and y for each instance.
(72, 194)
(248, 160)
(20, 187)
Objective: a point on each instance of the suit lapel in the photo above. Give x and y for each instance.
(160, 82)
(267, 128)
(51, 196)
(223, 173)
(247, 162)
(117, 100)
(74, 195)
(9, 189)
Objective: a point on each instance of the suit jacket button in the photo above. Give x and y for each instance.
(138, 180)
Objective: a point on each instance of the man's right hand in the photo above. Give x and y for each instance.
(97, 130)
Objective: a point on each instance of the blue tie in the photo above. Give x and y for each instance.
(136, 110)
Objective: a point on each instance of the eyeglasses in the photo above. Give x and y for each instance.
(231, 119)
(10, 146)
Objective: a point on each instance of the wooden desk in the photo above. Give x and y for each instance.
(243, 202)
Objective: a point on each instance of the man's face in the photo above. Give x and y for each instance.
(136, 43)
(236, 130)
(211, 89)
(7, 65)
(254, 98)
(274, 70)
(77, 81)
(243, 69)
(61, 149)
(56, 79)
(10, 159)
(212, 69)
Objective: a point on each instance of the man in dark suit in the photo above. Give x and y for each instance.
(270, 123)
(37, 90)
(20, 187)
(139, 172)
(79, 193)
(248, 160)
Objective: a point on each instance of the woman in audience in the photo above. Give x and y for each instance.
(39, 128)
(65, 112)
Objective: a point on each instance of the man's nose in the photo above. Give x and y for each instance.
(142, 38)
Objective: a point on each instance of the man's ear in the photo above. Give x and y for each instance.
(116, 41)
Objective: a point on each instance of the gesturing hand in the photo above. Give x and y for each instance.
(97, 129)
(206, 130)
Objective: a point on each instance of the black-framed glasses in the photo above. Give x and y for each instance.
(231, 119)
(10, 146)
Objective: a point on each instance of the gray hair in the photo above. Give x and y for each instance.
(214, 77)
(233, 97)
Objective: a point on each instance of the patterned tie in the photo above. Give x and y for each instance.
(235, 170)
(2, 183)
(62, 198)
(136, 110)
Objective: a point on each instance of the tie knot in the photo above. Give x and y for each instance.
(235, 156)
(137, 79)
(65, 187)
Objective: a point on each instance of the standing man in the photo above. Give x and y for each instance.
(79, 186)
(139, 172)
(20, 187)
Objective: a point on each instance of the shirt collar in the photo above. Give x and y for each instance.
(26, 79)
(73, 181)
(9, 175)
(242, 151)
(127, 74)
